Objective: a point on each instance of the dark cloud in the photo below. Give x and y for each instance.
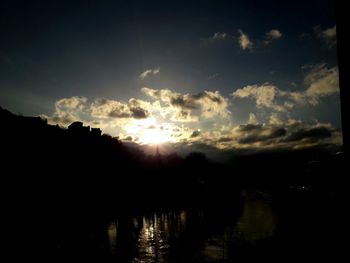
(190, 107)
(225, 139)
(116, 109)
(278, 132)
(182, 102)
(274, 135)
(192, 102)
(195, 133)
(118, 113)
(263, 135)
(250, 127)
(312, 134)
(328, 36)
(63, 119)
(139, 113)
(214, 98)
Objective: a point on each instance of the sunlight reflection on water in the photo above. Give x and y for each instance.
(160, 237)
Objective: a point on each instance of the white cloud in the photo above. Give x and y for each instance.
(275, 120)
(68, 110)
(217, 37)
(180, 114)
(252, 119)
(149, 72)
(244, 40)
(328, 36)
(190, 107)
(71, 103)
(264, 96)
(272, 35)
(104, 108)
(221, 36)
(321, 82)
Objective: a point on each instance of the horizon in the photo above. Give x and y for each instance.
(174, 131)
(186, 76)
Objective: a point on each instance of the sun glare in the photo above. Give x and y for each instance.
(154, 136)
(150, 132)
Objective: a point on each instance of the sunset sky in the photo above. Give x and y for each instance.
(198, 74)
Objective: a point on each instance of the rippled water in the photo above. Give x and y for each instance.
(193, 235)
(254, 228)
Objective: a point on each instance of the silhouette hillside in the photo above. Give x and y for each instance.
(62, 184)
(78, 164)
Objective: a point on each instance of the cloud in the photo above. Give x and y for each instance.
(293, 134)
(314, 133)
(216, 37)
(68, 110)
(138, 108)
(221, 36)
(190, 107)
(105, 113)
(244, 40)
(195, 133)
(149, 72)
(128, 138)
(328, 36)
(213, 76)
(105, 108)
(272, 35)
(275, 120)
(320, 82)
(252, 119)
(71, 103)
(264, 96)
(61, 118)
(180, 115)
(260, 133)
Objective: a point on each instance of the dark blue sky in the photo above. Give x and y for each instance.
(51, 50)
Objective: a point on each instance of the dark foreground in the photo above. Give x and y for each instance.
(82, 197)
(296, 224)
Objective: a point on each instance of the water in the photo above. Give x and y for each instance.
(257, 227)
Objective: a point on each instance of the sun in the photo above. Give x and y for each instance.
(154, 136)
(150, 132)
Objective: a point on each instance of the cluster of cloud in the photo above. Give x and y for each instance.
(149, 72)
(320, 82)
(67, 110)
(204, 118)
(135, 115)
(272, 35)
(243, 39)
(328, 36)
(294, 134)
(98, 112)
(134, 108)
(221, 36)
(189, 107)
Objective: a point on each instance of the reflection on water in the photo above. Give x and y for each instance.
(156, 235)
(112, 236)
(192, 235)
(258, 220)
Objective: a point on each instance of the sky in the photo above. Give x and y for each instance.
(198, 74)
